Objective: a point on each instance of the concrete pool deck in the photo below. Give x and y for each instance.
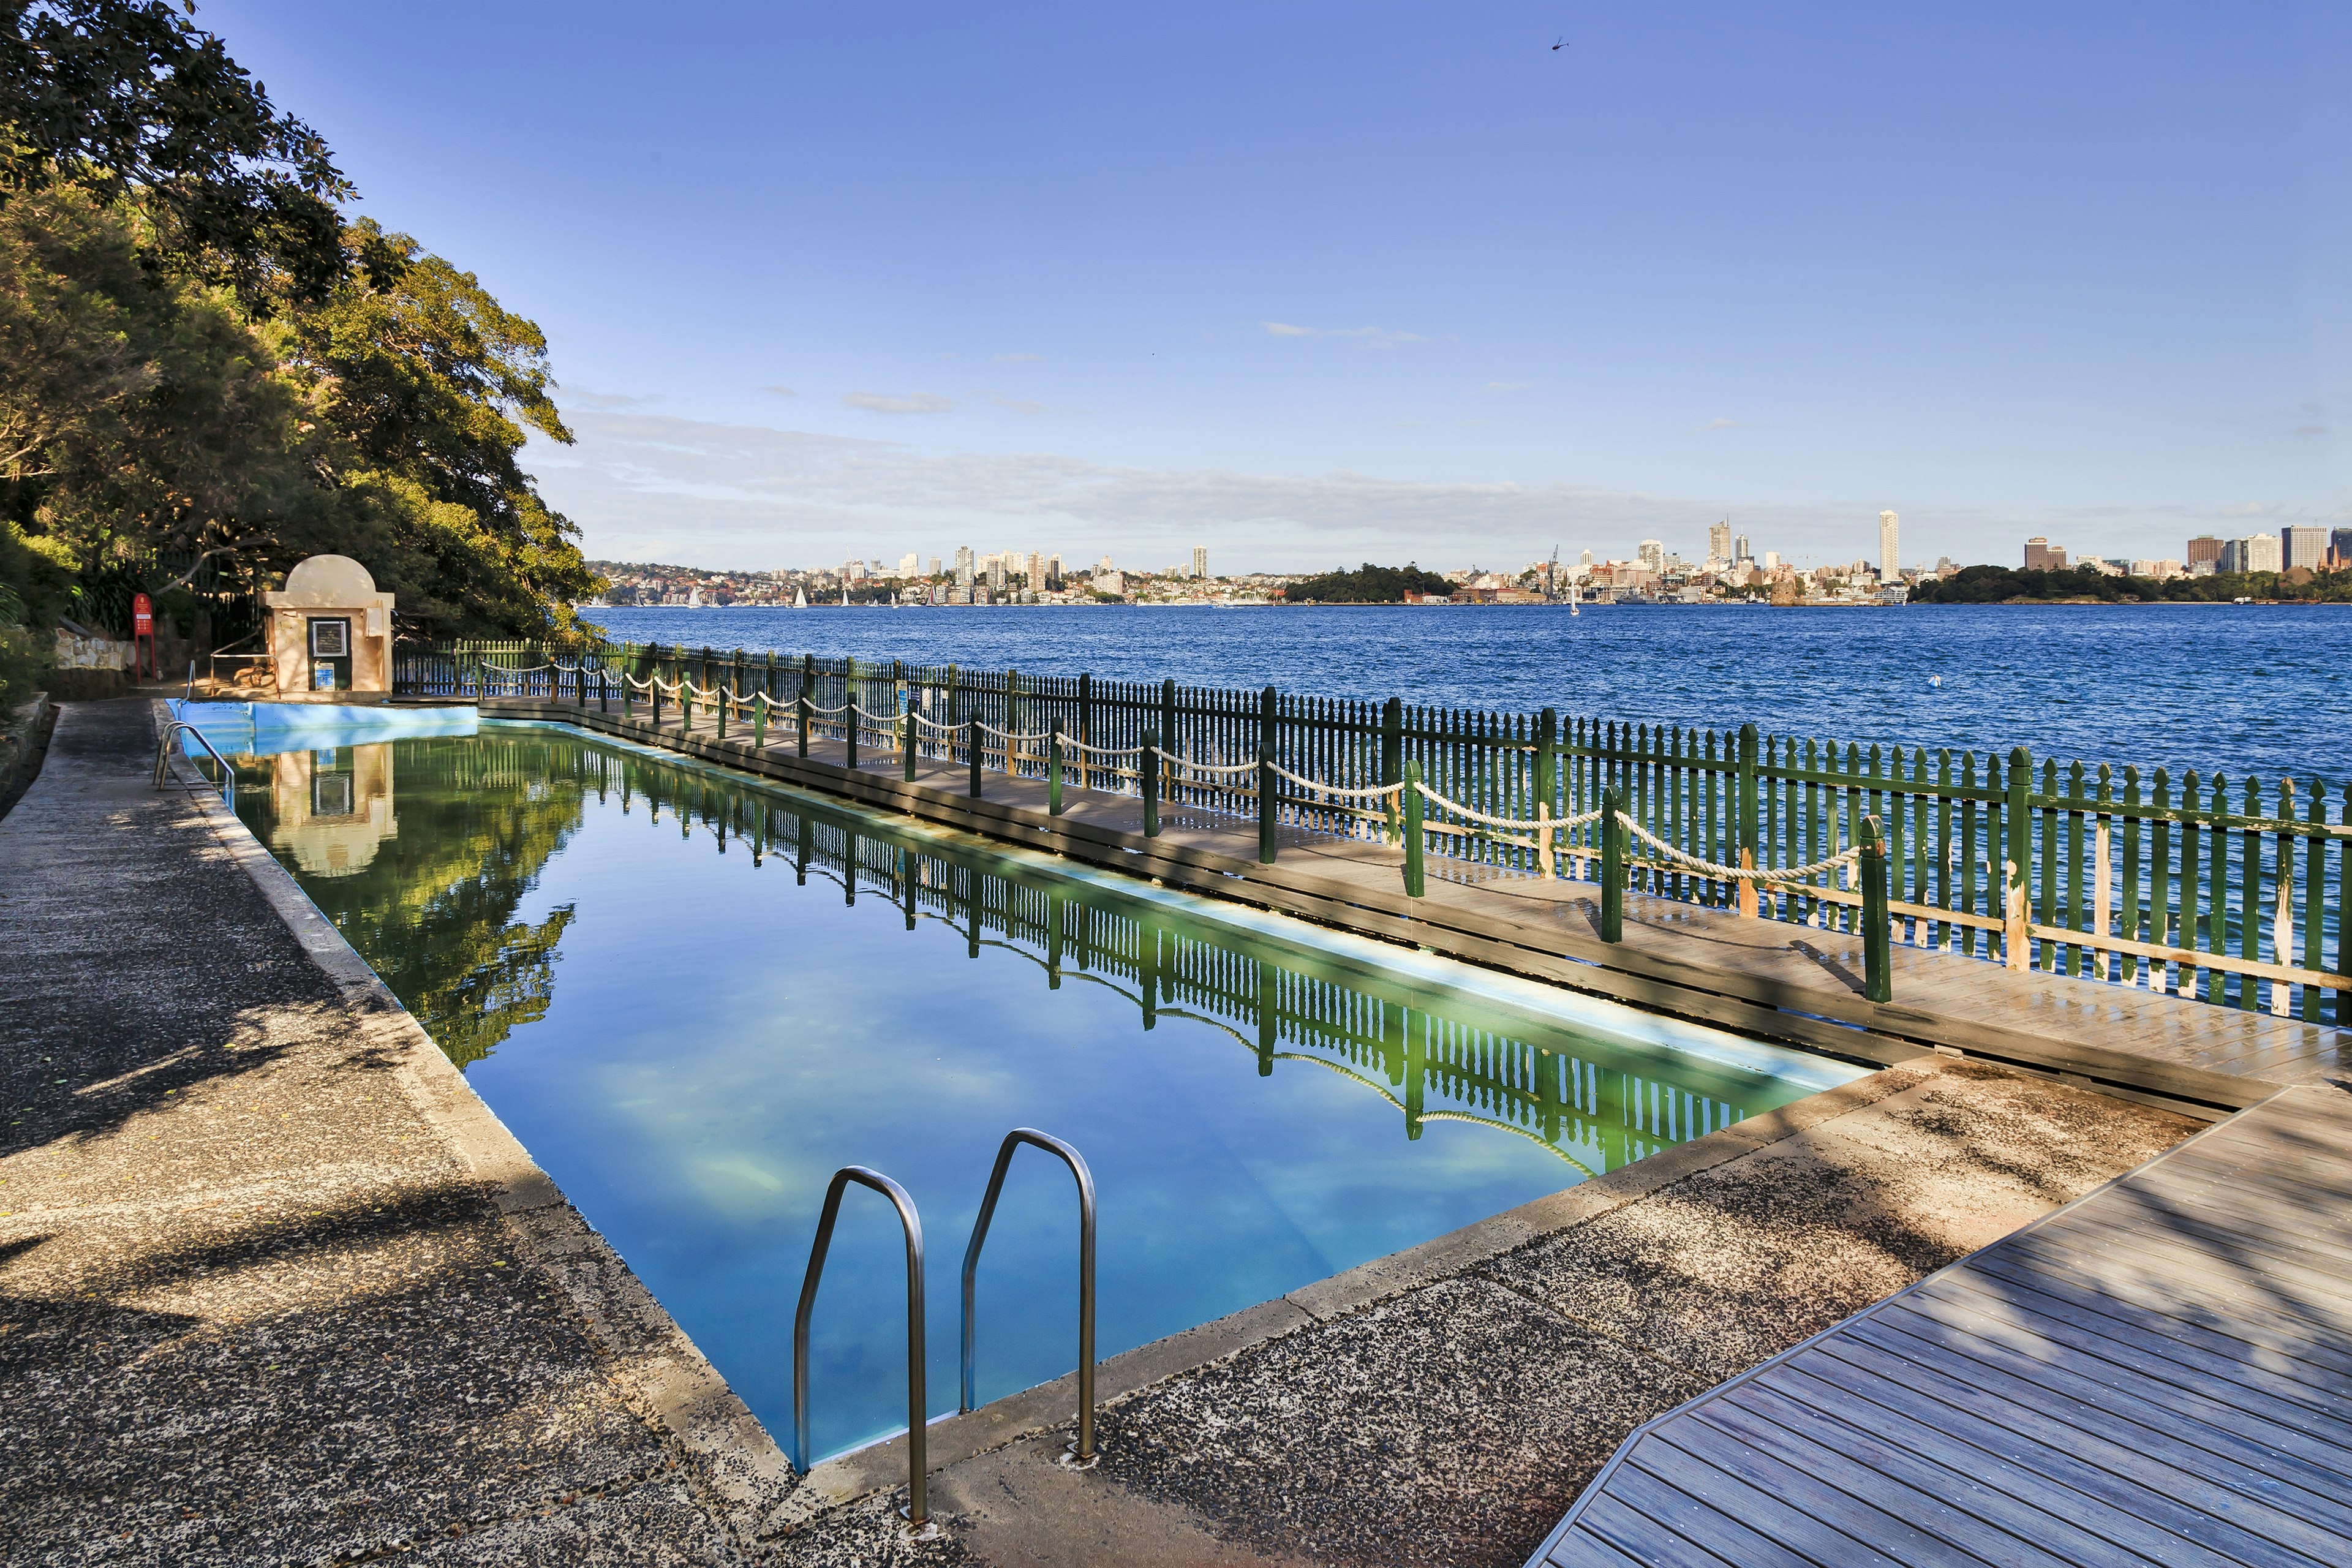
(275, 1287)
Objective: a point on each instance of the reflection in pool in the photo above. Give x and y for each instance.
(693, 996)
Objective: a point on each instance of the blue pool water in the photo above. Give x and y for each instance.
(693, 996)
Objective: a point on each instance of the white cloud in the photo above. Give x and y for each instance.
(1370, 337)
(1726, 424)
(1018, 404)
(781, 391)
(1015, 359)
(1508, 385)
(887, 403)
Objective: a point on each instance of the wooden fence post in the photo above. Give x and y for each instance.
(1612, 868)
(1053, 768)
(1413, 835)
(1877, 946)
(907, 732)
(1750, 823)
(1150, 780)
(759, 720)
(1392, 758)
(1266, 807)
(972, 727)
(849, 717)
(1168, 739)
(2017, 950)
(657, 694)
(1546, 782)
(801, 713)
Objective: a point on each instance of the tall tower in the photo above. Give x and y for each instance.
(1200, 562)
(1718, 540)
(1890, 555)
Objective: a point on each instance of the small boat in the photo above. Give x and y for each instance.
(1575, 600)
(800, 598)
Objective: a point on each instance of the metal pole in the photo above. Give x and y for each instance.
(1083, 1454)
(918, 1510)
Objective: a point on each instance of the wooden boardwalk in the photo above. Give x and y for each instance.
(1772, 978)
(2160, 1371)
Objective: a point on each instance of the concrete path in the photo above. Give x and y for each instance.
(274, 1287)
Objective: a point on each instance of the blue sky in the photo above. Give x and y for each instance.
(1315, 284)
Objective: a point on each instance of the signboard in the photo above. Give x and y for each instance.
(142, 616)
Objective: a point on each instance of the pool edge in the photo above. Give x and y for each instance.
(738, 1466)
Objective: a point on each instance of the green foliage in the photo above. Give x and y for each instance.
(1369, 584)
(111, 96)
(2000, 584)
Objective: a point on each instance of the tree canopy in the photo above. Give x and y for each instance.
(1368, 585)
(2002, 584)
(206, 372)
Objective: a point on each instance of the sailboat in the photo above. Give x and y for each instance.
(800, 598)
(1575, 599)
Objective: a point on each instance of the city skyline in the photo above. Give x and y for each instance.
(998, 273)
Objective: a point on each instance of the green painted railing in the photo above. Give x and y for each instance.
(2224, 887)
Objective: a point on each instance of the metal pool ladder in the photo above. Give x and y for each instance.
(918, 1513)
(173, 731)
(1081, 1455)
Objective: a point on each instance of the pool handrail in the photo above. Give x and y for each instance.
(917, 1510)
(1083, 1452)
(175, 728)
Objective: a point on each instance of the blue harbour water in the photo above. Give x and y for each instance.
(2244, 688)
(693, 996)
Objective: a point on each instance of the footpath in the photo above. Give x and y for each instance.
(275, 1288)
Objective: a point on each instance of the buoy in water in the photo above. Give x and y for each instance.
(1935, 680)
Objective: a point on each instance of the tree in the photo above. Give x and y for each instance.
(1369, 584)
(111, 96)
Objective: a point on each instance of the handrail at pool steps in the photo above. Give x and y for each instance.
(1081, 1453)
(172, 729)
(918, 1525)
(2231, 891)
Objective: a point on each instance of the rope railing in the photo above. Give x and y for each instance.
(1846, 857)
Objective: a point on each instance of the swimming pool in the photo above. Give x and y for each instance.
(693, 995)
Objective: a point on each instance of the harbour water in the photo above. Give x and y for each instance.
(2243, 688)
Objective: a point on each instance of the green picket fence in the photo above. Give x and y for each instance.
(2227, 887)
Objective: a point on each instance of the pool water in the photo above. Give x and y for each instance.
(693, 996)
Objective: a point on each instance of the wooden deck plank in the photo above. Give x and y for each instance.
(2143, 1291)
(1806, 1520)
(1716, 1514)
(2292, 1404)
(1917, 1425)
(2308, 1492)
(1973, 1518)
(2329, 1448)
(1583, 1549)
(1620, 1526)
(2123, 1477)
(2162, 1370)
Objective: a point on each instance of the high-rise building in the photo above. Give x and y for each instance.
(1585, 559)
(1200, 562)
(2041, 555)
(1740, 550)
(1718, 540)
(1890, 555)
(2340, 548)
(963, 566)
(996, 573)
(1652, 554)
(2204, 551)
(907, 564)
(2305, 547)
(935, 567)
(1053, 566)
(1036, 570)
(2261, 553)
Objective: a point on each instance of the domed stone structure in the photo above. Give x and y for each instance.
(330, 631)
